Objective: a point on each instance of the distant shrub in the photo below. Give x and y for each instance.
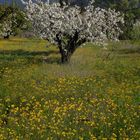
(135, 34)
(27, 34)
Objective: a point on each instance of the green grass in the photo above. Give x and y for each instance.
(95, 96)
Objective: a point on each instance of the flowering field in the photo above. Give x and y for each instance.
(96, 96)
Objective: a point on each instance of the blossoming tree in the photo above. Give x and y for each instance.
(68, 27)
(12, 21)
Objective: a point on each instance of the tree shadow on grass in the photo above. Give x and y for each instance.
(30, 56)
(129, 50)
(21, 40)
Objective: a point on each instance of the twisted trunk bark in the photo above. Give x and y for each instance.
(6, 37)
(67, 49)
(65, 58)
(65, 55)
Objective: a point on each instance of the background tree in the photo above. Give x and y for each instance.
(12, 21)
(68, 28)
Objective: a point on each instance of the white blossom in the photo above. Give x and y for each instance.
(6, 28)
(95, 24)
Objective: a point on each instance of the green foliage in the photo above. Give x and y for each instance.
(120, 5)
(135, 33)
(2, 9)
(14, 18)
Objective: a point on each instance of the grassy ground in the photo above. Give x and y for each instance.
(96, 96)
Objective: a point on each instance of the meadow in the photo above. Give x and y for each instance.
(94, 97)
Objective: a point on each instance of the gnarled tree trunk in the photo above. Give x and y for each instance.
(65, 55)
(67, 49)
(6, 37)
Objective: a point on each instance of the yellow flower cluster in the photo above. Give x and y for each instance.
(71, 108)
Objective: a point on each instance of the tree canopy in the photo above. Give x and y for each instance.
(12, 21)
